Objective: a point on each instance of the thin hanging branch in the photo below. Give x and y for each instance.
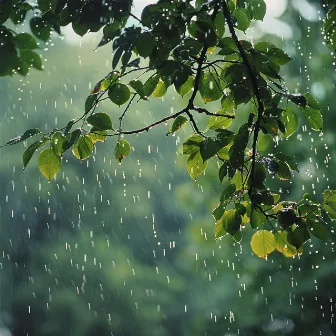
(254, 83)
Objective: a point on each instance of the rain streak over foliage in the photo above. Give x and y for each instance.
(240, 101)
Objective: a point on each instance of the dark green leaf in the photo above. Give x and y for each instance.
(100, 120)
(242, 17)
(231, 221)
(5, 10)
(284, 172)
(238, 148)
(227, 192)
(145, 44)
(31, 58)
(151, 84)
(25, 41)
(209, 148)
(329, 203)
(26, 135)
(29, 152)
(298, 237)
(119, 93)
(278, 56)
(288, 159)
(256, 9)
(40, 28)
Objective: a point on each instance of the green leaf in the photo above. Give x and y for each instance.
(283, 246)
(219, 230)
(290, 122)
(151, 84)
(298, 99)
(264, 141)
(227, 192)
(223, 170)
(319, 230)
(97, 135)
(122, 149)
(90, 102)
(208, 148)
(284, 172)
(195, 165)
(264, 46)
(46, 5)
(160, 90)
(288, 159)
(31, 58)
(119, 93)
(179, 121)
(30, 150)
(329, 203)
(210, 87)
(70, 139)
(298, 237)
(49, 163)
(278, 56)
(69, 126)
(311, 101)
(228, 46)
(257, 218)
(25, 41)
(40, 28)
(5, 10)
(219, 24)
(231, 221)
(242, 17)
(83, 147)
(145, 44)
(256, 9)
(192, 144)
(263, 243)
(100, 120)
(238, 148)
(314, 118)
(186, 87)
(167, 68)
(56, 142)
(215, 122)
(138, 87)
(26, 135)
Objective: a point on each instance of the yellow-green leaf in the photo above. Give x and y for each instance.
(49, 163)
(263, 243)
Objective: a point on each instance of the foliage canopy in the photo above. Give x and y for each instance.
(193, 48)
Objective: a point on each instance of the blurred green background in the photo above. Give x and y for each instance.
(129, 249)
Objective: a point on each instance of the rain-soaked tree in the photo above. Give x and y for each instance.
(191, 47)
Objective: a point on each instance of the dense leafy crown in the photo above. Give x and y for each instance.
(192, 48)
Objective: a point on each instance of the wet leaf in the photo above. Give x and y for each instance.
(121, 150)
(100, 120)
(49, 163)
(263, 243)
(196, 165)
(83, 147)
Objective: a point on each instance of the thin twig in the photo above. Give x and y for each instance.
(254, 84)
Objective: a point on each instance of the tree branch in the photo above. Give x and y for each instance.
(254, 84)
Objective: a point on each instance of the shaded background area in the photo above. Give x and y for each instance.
(111, 249)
